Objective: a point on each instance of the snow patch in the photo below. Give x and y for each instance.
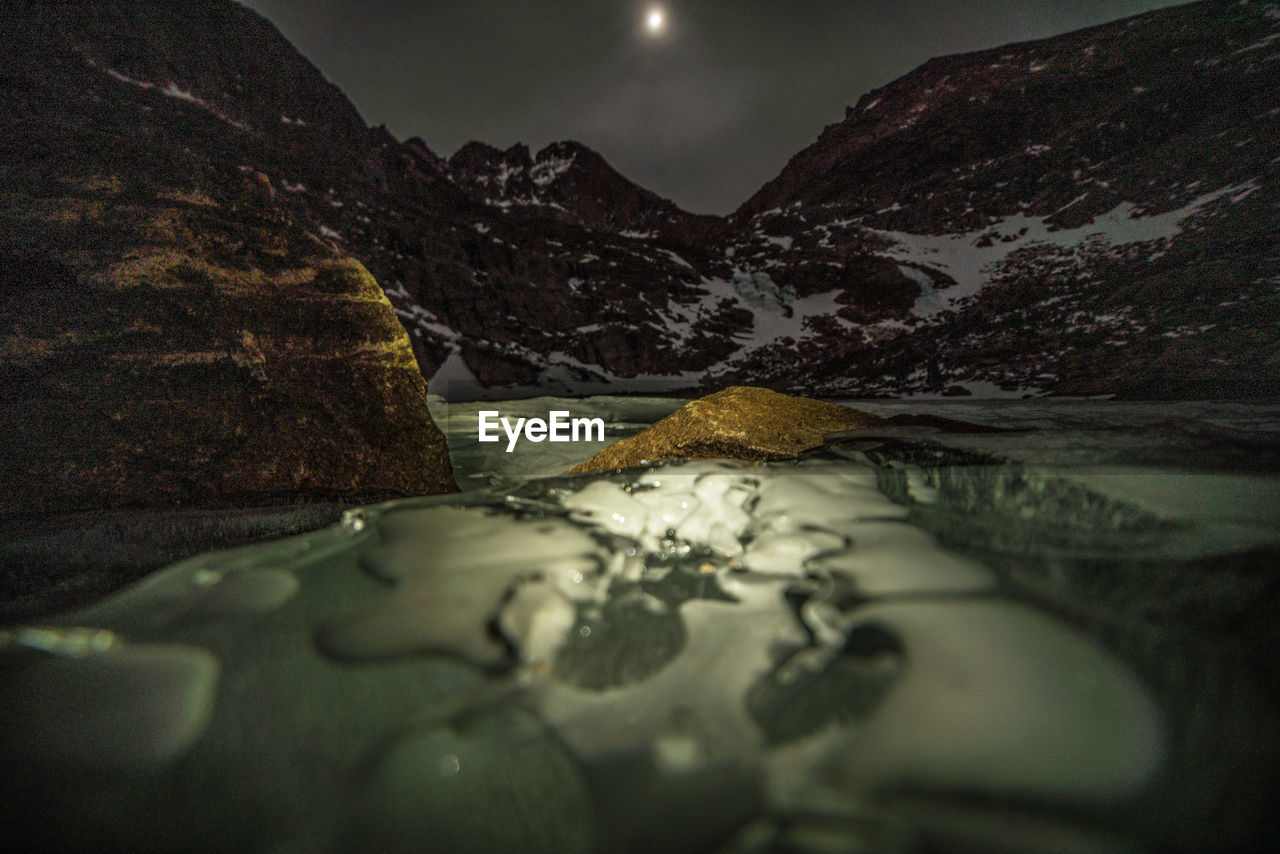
(973, 258)
(172, 90)
(674, 257)
(545, 172)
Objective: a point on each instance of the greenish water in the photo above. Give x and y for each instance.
(1058, 639)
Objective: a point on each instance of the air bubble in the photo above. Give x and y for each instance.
(449, 765)
(353, 521)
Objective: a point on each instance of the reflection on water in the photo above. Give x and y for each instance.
(1056, 639)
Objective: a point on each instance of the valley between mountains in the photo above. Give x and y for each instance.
(219, 284)
(1092, 214)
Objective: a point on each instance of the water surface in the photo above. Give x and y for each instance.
(1056, 638)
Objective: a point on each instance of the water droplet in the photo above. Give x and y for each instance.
(449, 765)
(677, 754)
(70, 642)
(576, 577)
(585, 631)
(353, 521)
(206, 577)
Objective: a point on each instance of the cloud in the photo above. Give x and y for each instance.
(670, 118)
(676, 103)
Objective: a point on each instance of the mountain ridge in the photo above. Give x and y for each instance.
(925, 244)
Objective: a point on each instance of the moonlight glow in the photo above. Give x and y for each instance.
(655, 21)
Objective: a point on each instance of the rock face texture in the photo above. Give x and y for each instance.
(200, 358)
(740, 423)
(170, 334)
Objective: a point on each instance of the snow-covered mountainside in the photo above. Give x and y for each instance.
(1089, 214)
(1093, 213)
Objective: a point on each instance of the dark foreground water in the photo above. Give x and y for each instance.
(1057, 639)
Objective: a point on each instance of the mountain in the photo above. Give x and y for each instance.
(174, 332)
(570, 179)
(1089, 214)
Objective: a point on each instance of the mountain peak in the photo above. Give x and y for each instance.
(564, 180)
(1098, 101)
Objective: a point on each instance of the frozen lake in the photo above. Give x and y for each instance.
(1057, 638)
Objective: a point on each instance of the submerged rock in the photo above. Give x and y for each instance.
(741, 422)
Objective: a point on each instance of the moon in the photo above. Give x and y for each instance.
(655, 20)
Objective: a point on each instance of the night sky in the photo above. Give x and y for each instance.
(703, 111)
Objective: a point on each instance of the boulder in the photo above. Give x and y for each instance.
(741, 422)
(190, 344)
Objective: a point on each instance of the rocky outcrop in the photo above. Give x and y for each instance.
(740, 423)
(164, 347)
(177, 331)
(568, 180)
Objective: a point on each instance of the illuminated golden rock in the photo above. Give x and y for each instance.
(741, 423)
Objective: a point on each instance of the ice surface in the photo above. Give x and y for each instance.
(971, 261)
(612, 508)
(247, 591)
(891, 558)
(1000, 699)
(447, 590)
(570, 661)
(488, 781)
(835, 498)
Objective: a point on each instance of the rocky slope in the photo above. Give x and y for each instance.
(1089, 214)
(173, 336)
